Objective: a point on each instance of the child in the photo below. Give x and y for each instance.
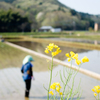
(27, 73)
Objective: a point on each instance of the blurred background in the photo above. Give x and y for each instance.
(31, 15)
(73, 25)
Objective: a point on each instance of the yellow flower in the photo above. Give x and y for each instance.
(72, 53)
(58, 50)
(51, 92)
(57, 89)
(54, 49)
(85, 59)
(78, 62)
(95, 94)
(58, 84)
(55, 46)
(93, 90)
(69, 59)
(53, 87)
(60, 93)
(67, 55)
(50, 48)
(98, 91)
(97, 87)
(53, 54)
(46, 50)
(51, 44)
(75, 56)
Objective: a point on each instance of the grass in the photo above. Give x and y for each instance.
(65, 34)
(12, 57)
(31, 33)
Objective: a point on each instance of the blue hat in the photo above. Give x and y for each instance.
(27, 59)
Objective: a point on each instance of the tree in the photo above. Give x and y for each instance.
(12, 21)
(73, 12)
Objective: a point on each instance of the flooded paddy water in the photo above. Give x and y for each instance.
(12, 85)
(93, 55)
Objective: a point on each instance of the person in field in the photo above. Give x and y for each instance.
(26, 69)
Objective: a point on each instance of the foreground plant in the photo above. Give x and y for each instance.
(71, 92)
(72, 56)
(54, 50)
(55, 90)
(55, 87)
(96, 91)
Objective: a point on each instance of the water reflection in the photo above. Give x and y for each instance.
(94, 60)
(93, 55)
(15, 86)
(40, 47)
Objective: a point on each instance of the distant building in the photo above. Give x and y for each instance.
(96, 27)
(56, 30)
(49, 28)
(45, 28)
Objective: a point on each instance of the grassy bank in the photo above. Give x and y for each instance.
(64, 43)
(12, 57)
(65, 34)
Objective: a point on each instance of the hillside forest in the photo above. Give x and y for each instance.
(27, 15)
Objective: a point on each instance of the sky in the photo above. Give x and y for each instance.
(86, 6)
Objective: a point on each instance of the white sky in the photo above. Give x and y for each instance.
(86, 6)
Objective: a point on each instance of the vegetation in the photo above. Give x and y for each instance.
(69, 34)
(52, 12)
(9, 1)
(13, 22)
(55, 89)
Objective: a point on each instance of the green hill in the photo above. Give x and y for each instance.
(8, 1)
(7, 6)
(52, 12)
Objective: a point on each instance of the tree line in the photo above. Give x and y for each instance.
(11, 21)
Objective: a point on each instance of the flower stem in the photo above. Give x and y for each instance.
(50, 78)
(98, 96)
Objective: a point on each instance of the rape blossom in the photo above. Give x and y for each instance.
(78, 62)
(85, 59)
(96, 91)
(54, 49)
(55, 86)
(74, 56)
(51, 92)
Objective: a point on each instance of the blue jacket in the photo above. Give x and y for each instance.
(27, 67)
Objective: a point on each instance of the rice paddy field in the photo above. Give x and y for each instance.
(12, 86)
(12, 57)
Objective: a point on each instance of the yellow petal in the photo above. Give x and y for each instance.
(72, 53)
(51, 92)
(67, 55)
(95, 94)
(78, 62)
(75, 56)
(85, 59)
(93, 90)
(69, 59)
(60, 93)
(57, 89)
(46, 50)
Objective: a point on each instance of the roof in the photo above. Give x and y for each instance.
(46, 27)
